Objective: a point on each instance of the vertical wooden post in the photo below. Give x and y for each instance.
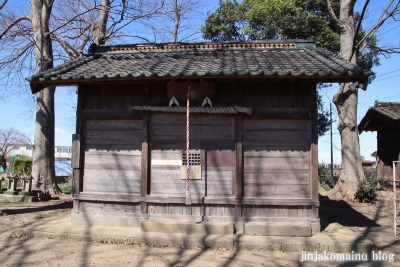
(77, 157)
(314, 141)
(75, 162)
(145, 166)
(238, 183)
(239, 158)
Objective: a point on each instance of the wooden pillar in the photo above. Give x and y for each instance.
(75, 162)
(313, 141)
(77, 156)
(239, 158)
(238, 182)
(145, 160)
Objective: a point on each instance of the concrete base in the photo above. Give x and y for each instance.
(99, 220)
(188, 227)
(277, 229)
(61, 228)
(18, 198)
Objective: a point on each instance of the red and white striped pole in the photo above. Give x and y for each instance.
(188, 200)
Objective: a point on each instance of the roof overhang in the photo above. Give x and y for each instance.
(378, 116)
(295, 60)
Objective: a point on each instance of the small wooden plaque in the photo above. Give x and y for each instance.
(194, 172)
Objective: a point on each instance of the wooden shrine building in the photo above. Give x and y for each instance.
(253, 130)
(384, 118)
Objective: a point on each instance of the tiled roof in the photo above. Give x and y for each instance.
(380, 113)
(286, 59)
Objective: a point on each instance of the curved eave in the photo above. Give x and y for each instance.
(41, 83)
(374, 119)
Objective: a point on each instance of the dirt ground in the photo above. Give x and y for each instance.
(373, 221)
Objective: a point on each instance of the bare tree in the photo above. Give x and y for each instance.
(33, 37)
(346, 98)
(175, 21)
(85, 22)
(9, 138)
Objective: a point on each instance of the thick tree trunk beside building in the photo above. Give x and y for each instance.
(43, 154)
(346, 103)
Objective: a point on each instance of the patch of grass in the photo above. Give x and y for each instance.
(66, 188)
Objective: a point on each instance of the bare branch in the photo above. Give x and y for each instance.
(69, 49)
(12, 24)
(112, 30)
(386, 51)
(3, 4)
(358, 28)
(72, 19)
(386, 14)
(122, 13)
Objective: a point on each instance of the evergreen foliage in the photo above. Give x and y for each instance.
(366, 191)
(22, 167)
(280, 20)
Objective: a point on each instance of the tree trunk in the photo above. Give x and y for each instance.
(177, 21)
(346, 103)
(43, 154)
(99, 33)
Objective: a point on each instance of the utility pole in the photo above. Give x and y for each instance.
(330, 106)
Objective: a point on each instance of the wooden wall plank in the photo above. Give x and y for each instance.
(276, 158)
(103, 114)
(270, 153)
(165, 131)
(172, 145)
(112, 185)
(117, 159)
(161, 118)
(116, 97)
(273, 191)
(166, 180)
(274, 124)
(129, 174)
(289, 212)
(110, 209)
(166, 154)
(262, 135)
(111, 151)
(114, 124)
(110, 165)
(203, 133)
(113, 134)
(285, 177)
(267, 164)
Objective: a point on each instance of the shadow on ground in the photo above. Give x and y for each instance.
(332, 211)
(25, 210)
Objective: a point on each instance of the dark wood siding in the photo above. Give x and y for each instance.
(276, 158)
(112, 156)
(388, 151)
(257, 165)
(168, 142)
